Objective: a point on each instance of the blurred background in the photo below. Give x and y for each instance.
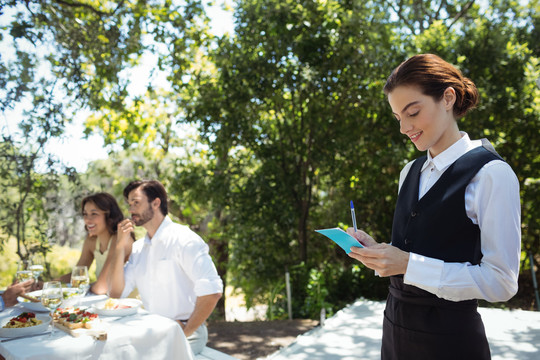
(262, 118)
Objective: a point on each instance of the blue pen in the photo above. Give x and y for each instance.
(353, 216)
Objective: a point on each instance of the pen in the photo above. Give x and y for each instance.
(353, 216)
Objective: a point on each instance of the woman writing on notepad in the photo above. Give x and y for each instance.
(456, 231)
(101, 215)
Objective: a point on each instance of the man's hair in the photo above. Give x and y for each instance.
(152, 189)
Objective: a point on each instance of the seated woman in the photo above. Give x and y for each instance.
(101, 215)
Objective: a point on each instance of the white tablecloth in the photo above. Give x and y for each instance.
(138, 336)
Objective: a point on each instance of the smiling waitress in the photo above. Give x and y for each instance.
(456, 233)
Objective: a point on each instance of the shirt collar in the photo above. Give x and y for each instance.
(166, 221)
(448, 156)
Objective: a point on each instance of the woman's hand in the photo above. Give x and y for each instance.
(362, 237)
(385, 259)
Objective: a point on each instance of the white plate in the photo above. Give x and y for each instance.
(133, 304)
(36, 306)
(14, 332)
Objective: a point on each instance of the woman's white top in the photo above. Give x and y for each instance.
(99, 257)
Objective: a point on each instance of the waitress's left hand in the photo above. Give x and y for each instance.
(385, 259)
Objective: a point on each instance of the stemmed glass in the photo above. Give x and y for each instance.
(80, 280)
(23, 270)
(51, 297)
(37, 266)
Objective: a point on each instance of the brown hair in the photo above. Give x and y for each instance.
(106, 203)
(153, 189)
(433, 76)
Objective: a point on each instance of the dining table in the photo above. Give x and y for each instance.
(136, 336)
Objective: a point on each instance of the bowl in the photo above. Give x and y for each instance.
(15, 332)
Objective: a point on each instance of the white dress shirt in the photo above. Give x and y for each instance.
(492, 202)
(171, 270)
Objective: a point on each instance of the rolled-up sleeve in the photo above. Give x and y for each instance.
(200, 268)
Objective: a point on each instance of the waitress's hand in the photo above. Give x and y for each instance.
(362, 237)
(385, 259)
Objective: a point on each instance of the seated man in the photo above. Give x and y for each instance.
(170, 266)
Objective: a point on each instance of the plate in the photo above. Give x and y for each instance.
(36, 306)
(15, 332)
(133, 304)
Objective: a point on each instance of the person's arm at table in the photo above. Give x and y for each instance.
(116, 281)
(199, 267)
(9, 297)
(101, 285)
(203, 308)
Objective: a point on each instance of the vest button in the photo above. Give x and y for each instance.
(414, 213)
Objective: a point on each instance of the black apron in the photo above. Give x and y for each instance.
(417, 324)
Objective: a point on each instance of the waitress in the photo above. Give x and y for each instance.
(456, 233)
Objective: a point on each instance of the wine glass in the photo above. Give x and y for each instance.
(23, 271)
(80, 280)
(51, 297)
(38, 263)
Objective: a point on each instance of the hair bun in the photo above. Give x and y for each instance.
(468, 99)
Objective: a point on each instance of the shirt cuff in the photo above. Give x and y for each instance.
(424, 272)
(2, 305)
(207, 287)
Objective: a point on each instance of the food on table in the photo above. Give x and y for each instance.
(74, 318)
(113, 304)
(26, 319)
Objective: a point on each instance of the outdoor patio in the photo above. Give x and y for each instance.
(355, 333)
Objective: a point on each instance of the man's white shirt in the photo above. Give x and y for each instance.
(171, 270)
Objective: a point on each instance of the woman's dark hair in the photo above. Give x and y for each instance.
(433, 76)
(153, 189)
(106, 203)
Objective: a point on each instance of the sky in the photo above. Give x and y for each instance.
(76, 151)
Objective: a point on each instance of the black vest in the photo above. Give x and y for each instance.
(437, 225)
(417, 324)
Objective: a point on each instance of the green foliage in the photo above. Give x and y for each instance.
(282, 116)
(494, 51)
(291, 123)
(28, 197)
(331, 286)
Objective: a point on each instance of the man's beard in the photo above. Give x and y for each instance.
(143, 218)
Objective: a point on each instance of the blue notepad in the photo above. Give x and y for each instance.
(340, 237)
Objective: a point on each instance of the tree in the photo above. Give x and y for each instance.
(66, 56)
(496, 50)
(28, 193)
(283, 114)
(295, 119)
